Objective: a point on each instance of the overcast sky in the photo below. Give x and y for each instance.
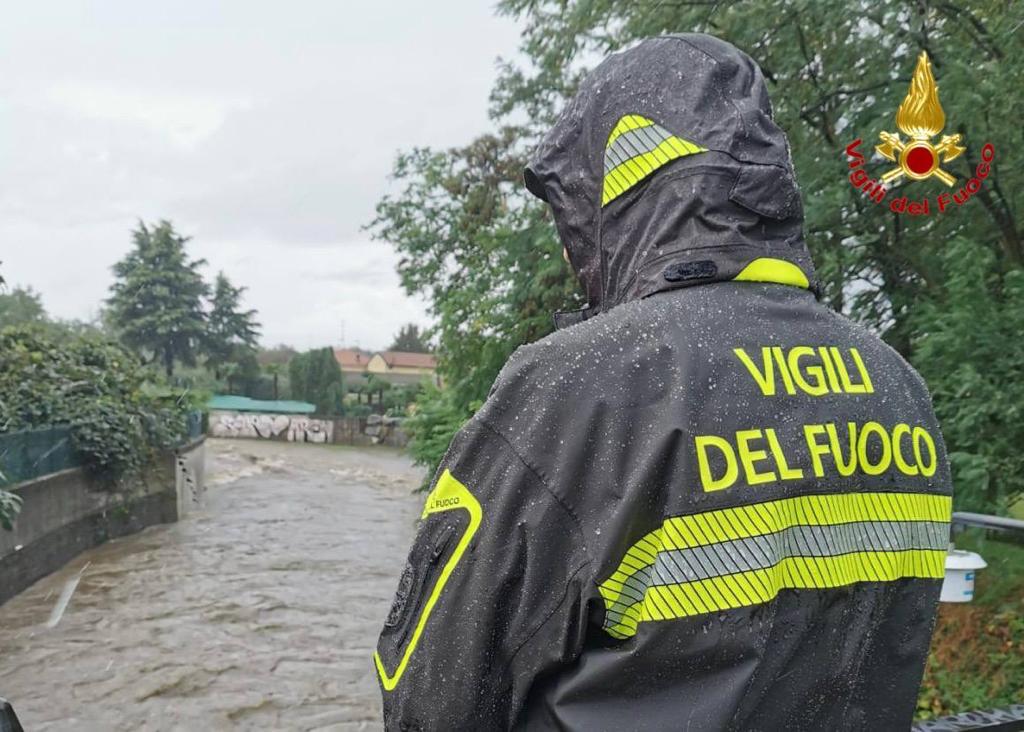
(265, 130)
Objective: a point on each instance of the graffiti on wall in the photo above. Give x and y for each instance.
(271, 426)
(304, 429)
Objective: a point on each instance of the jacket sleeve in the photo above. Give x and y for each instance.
(490, 597)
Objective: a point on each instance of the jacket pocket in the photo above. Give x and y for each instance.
(431, 550)
(450, 519)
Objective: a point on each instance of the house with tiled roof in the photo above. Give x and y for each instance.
(403, 367)
(395, 367)
(352, 361)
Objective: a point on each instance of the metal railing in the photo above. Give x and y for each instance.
(991, 720)
(964, 519)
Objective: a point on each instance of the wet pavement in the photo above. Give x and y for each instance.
(259, 610)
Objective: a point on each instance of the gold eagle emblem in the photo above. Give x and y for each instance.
(920, 117)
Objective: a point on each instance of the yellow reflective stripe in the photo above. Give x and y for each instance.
(611, 588)
(623, 177)
(709, 528)
(739, 522)
(627, 123)
(448, 495)
(762, 585)
(768, 269)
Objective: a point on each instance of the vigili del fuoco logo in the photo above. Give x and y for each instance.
(920, 118)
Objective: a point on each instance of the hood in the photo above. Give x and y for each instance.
(666, 170)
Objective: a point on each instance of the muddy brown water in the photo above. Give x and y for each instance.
(259, 610)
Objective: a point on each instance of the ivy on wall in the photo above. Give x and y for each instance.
(119, 411)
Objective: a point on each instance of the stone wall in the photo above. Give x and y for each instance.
(372, 430)
(65, 513)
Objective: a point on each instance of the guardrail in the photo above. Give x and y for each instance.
(964, 519)
(990, 720)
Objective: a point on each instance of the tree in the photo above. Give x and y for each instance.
(275, 370)
(396, 400)
(433, 422)
(21, 305)
(246, 376)
(315, 376)
(229, 369)
(156, 299)
(410, 339)
(376, 385)
(969, 349)
(279, 354)
(229, 330)
(488, 261)
(24, 306)
(836, 71)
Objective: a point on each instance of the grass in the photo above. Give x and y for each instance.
(977, 653)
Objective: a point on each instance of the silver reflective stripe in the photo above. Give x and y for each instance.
(633, 591)
(740, 556)
(761, 552)
(632, 143)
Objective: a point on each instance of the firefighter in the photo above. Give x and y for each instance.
(707, 501)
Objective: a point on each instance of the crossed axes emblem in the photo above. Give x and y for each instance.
(920, 117)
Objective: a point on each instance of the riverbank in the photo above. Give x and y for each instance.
(977, 653)
(257, 610)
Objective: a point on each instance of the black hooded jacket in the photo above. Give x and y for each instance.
(706, 502)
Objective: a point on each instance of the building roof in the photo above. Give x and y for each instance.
(409, 360)
(352, 359)
(230, 402)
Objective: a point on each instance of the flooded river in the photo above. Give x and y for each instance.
(257, 611)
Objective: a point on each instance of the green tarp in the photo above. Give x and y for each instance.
(232, 403)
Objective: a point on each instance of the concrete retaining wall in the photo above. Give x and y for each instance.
(190, 475)
(65, 513)
(373, 430)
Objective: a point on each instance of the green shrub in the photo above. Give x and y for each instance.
(10, 505)
(436, 419)
(969, 350)
(975, 660)
(118, 410)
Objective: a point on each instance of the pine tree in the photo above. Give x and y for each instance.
(230, 331)
(21, 305)
(156, 300)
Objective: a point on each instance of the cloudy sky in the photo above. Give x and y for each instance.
(265, 130)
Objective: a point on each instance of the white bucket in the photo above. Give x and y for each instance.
(958, 585)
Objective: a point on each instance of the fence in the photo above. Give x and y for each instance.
(31, 453)
(194, 425)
